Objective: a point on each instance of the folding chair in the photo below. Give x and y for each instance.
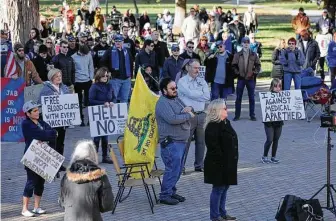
(126, 181)
(155, 173)
(311, 106)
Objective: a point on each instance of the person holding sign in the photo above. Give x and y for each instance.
(55, 86)
(101, 93)
(272, 129)
(35, 128)
(292, 60)
(85, 188)
(221, 159)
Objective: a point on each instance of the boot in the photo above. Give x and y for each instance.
(107, 160)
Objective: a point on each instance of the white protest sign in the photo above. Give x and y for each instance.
(201, 72)
(33, 92)
(43, 160)
(107, 120)
(285, 105)
(61, 110)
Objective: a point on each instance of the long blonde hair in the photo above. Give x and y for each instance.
(275, 82)
(213, 111)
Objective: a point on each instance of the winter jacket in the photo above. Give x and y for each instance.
(85, 192)
(67, 66)
(238, 31)
(211, 67)
(171, 67)
(253, 66)
(48, 89)
(292, 61)
(41, 67)
(331, 57)
(31, 131)
(130, 45)
(202, 52)
(185, 55)
(161, 51)
(300, 22)
(100, 93)
(277, 69)
(30, 74)
(312, 53)
(324, 22)
(221, 159)
(144, 58)
(143, 20)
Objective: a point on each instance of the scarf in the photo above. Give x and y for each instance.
(115, 60)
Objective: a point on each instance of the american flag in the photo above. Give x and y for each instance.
(11, 65)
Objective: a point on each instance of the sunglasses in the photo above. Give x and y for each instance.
(175, 50)
(220, 46)
(49, 42)
(191, 47)
(65, 47)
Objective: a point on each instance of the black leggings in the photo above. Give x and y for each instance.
(273, 134)
(60, 139)
(321, 66)
(79, 88)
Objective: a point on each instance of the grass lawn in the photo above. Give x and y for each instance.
(274, 19)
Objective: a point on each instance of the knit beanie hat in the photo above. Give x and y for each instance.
(52, 72)
(43, 49)
(17, 46)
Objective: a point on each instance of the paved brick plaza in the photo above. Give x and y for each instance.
(302, 172)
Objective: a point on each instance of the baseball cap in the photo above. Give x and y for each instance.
(81, 35)
(325, 10)
(118, 38)
(218, 43)
(30, 105)
(245, 39)
(71, 38)
(175, 47)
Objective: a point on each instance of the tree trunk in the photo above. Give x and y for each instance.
(21, 16)
(330, 5)
(136, 8)
(180, 12)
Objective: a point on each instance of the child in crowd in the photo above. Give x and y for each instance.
(272, 129)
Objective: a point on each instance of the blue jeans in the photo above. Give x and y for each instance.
(217, 201)
(121, 89)
(172, 157)
(250, 85)
(104, 144)
(218, 91)
(288, 76)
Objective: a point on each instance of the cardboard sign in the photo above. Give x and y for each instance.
(43, 160)
(107, 120)
(61, 110)
(12, 101)
(33, 92)
(285, 105)
(201, 72)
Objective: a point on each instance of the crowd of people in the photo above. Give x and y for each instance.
(97, 57)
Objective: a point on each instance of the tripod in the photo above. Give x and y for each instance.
(330, 187)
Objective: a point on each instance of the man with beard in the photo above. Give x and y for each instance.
(25, 68)
(73, 47)
(82, 38)
(100, 49)
(172, 117)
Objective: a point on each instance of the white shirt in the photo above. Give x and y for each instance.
(193, 92)
(305, 45)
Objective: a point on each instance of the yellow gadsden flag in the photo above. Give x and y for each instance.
(141, 132)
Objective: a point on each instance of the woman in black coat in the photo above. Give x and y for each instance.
(85, 189)
(277, 69)
(220, 164)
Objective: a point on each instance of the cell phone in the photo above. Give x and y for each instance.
(166, 142)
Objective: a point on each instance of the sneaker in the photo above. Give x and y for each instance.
(235, 118)
(218, 219)
(39, 211)
(227, 217)
(27, 213)
(170, 201)
(265, 160)
(274, 160)
(178, 197)
(253, 119)
(82, 124)
(107, 160)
